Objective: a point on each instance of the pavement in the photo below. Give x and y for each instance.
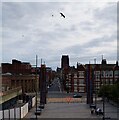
(63, 110)
(72, 110)
(110, 110)
(63, 105)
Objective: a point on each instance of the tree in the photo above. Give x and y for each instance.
(110, 91)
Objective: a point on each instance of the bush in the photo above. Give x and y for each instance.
(110, 91)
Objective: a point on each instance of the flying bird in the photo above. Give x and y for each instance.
(62, 15)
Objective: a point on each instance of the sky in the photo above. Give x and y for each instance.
(88, 31)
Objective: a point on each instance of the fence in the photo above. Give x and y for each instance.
(17, 112)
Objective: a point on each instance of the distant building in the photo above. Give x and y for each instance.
(75, 79)
(19, 74)
(27, 82)
(17, 67)
(64, 61)
(89, 76)
(105, 74)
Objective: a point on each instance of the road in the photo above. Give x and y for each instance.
(55, 91)
(55, 86)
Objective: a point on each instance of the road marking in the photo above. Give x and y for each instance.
(64, 100)
(68, 99)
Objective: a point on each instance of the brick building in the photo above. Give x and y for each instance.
(105, 74)
(23, 74)
(17, 67)
(89, 76)
(64, 61)
(27, 82)
(19, 74)
(74, 79)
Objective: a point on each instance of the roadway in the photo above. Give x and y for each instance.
(55, 86)
(55, 90)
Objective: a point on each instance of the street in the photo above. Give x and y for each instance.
(55, 91)
(55, 86)
(61, 104)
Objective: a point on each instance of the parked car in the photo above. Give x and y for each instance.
(77, 95)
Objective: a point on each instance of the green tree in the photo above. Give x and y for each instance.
(110, 91)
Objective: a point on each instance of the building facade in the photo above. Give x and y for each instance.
(19, 74)
(89, 77)
(23, 74)
(105, 74)
(64, 61)
(17, 67)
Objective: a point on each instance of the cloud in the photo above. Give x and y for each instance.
(29, 29)
(108, 14)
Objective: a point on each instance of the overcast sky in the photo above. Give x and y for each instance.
(88, 31)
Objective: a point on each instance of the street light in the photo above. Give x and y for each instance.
(95, 83)
(103, 72)
(37, 112)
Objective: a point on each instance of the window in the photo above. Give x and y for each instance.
(75, 89)
(81, 81)
(116, 73)
(106, 73)
(102, 73)
(81, 89)
(111, 73)
(107, 81)
(75, 75)
(81, 74)
(75, 81)
(111, 81)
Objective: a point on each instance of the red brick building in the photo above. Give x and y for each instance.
(74, 79)
(23, 74)
(17, 67)
(105, 74)
(65, 61)
(27, 82)
(19, 74)
(97, 75)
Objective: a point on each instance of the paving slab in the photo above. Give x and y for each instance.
(63, 110)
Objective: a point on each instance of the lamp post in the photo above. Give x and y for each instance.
(38, 111)
(103, 73)
(36, 84)
(95, 83)
(43, 87)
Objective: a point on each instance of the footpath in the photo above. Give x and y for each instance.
(63, 110)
